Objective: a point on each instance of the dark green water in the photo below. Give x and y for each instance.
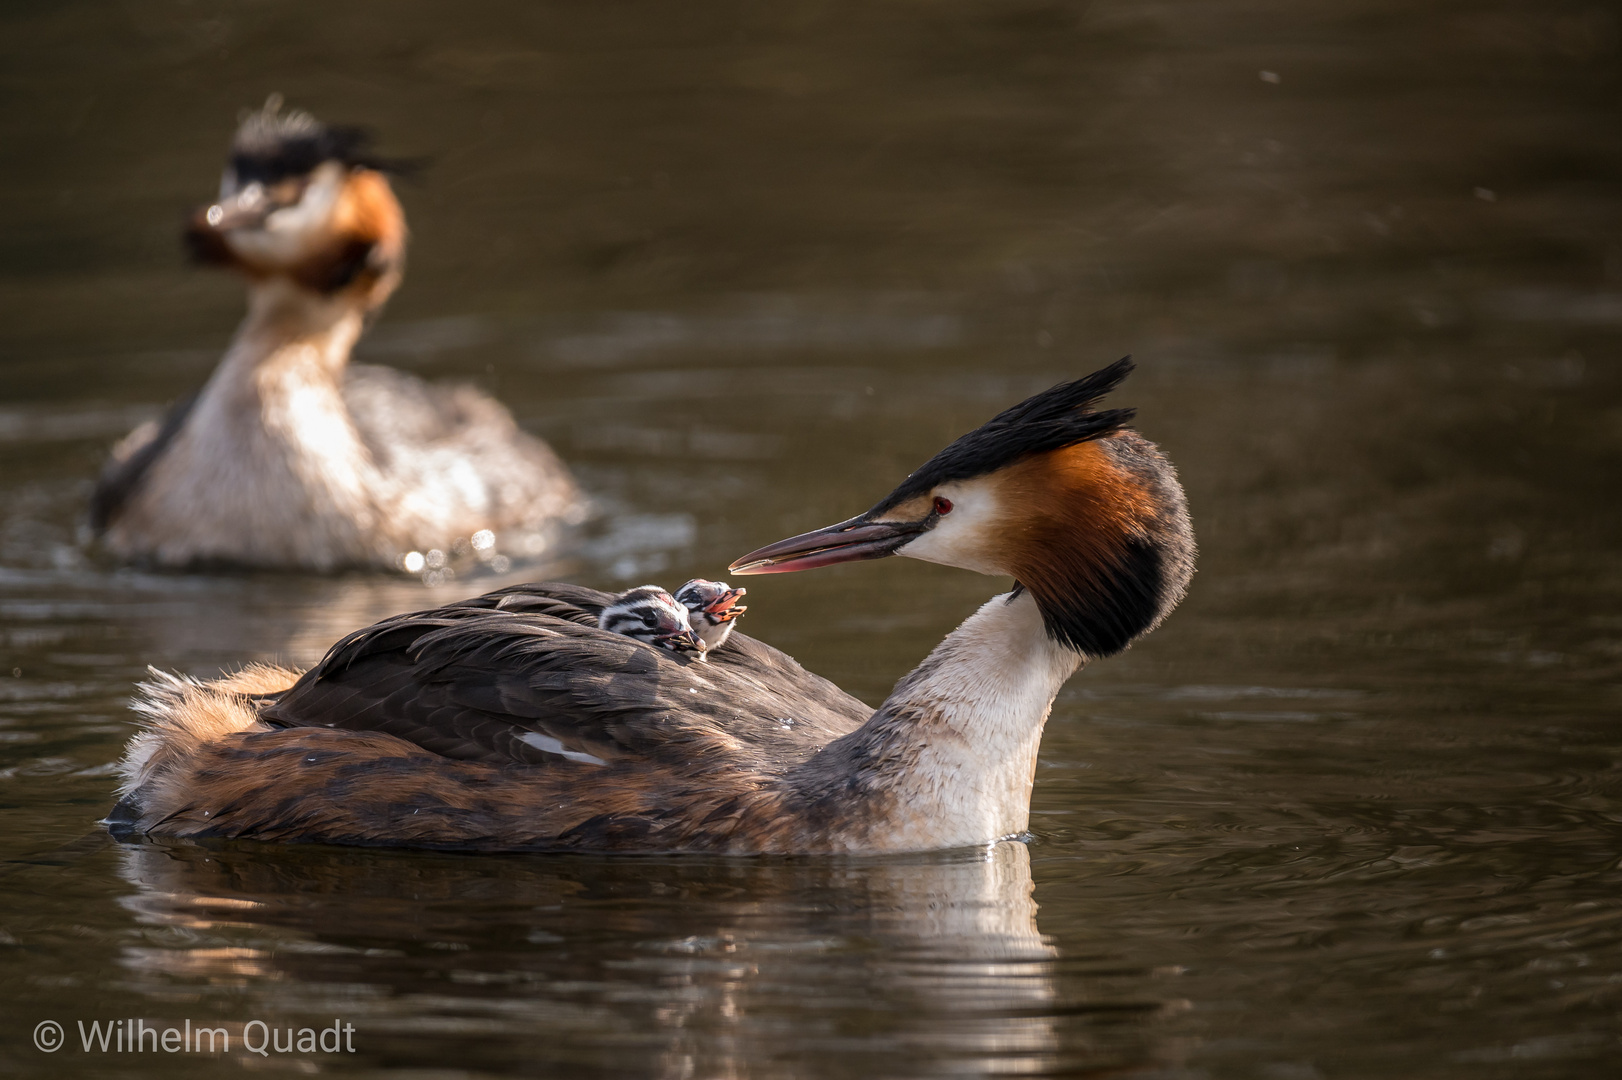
(1354, 811)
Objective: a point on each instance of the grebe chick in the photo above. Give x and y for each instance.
(650, 614)
(513, 721)
(712, 609)
(289, 456)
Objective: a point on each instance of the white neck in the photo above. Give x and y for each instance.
(291, 329)
(277, 396)
(949, 758)
(270, 467)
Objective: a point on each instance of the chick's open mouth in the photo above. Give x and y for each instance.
(726, 606)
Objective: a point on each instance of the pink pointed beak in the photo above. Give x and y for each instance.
(726, 607)
(849, 541)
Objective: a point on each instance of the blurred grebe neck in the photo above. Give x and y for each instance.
(290, 339)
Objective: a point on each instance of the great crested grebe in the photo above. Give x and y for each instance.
(512, 721)
(289, 456)
(713, 610)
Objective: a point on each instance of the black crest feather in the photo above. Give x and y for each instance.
(271, 145)
(1055, 418)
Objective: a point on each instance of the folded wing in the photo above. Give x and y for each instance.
(524, 676)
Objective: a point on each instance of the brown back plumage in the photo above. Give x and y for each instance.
(504, 722)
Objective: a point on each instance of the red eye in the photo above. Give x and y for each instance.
(942, 506)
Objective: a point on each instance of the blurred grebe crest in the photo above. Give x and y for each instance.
(515, 721)
(290, 456)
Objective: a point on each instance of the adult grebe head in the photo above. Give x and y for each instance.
(1065, 499)
(304, 203)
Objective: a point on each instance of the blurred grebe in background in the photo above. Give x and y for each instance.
(515, 721)
(290, 456)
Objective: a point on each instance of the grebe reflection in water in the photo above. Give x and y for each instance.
(699, 961)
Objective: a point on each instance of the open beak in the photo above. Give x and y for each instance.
(849, 541)
(725, 607)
